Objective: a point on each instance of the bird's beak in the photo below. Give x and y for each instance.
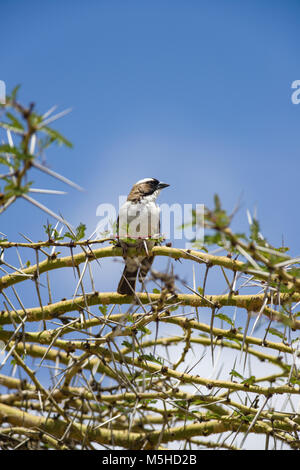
(162, 185)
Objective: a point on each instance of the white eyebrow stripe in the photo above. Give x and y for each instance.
(145, 180)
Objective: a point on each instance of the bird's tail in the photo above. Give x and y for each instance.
(145, 267)
(127, 282)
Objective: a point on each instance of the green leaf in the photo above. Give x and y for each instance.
(14, 93)
(250, 381)
(276, 332)
(295, 272)
(6, 149)
(52, 232)
(14, 121)
(130, 346)
(254, 231)
(217, 202)
(295, 381)
(80, 232)
(215, 239)
(144, 330)
(130, 317)
(10, 127)
(222, 219)
(150, 357)
(4, 161)
(224, 317)
(172, 309)
(56, 136)
(103, 309)
(234, 373)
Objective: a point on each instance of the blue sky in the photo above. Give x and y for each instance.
(195, 93)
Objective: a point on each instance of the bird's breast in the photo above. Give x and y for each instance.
(139, 220)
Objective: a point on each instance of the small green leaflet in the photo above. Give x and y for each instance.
(103, 309)
(276, 332)
(56, 136)
(129, 346)
(80, 232)
(225, 318)
(52, 232)
(234, 373)
(14, 121)
(150, 357)
(144, 330)
(250, 381)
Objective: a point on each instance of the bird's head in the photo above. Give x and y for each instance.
(147, 187)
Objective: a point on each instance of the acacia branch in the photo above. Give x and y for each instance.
(54, 262)
(248, 302)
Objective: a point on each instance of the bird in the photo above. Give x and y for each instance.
(138, 225)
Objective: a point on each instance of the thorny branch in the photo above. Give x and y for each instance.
(144, 386)
(206, 365)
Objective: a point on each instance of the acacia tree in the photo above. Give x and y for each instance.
(180, 366)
